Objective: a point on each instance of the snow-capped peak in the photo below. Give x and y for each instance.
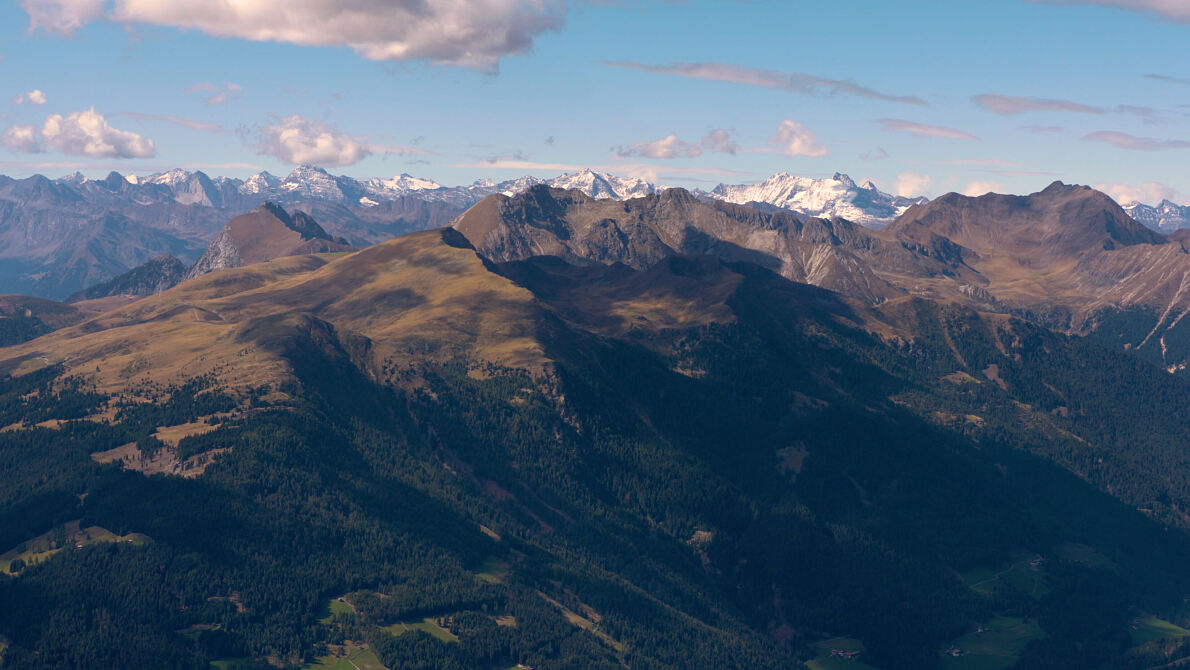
(260, 182)
(837, 196)
(311, 181)
(1166, 217)
(400, 185)
(172, 178)
(600, 185)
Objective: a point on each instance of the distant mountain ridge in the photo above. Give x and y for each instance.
(264, 234)
(1167, 216)
(59, 236)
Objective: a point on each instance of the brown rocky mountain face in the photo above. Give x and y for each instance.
(639, 233)
(266, 233)
(1068, 257)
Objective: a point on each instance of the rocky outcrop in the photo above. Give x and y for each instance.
(641, 232)
(263, 234)
(157, 275)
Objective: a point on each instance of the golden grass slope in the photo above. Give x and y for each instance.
(414, 296)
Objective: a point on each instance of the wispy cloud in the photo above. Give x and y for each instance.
(1172, 10)
(1168, 79)
(981, 162)
(1149, 114)
(399, 150)
(177, 121)
(1023, 173)
(221, 166)
(218, 94)
(795, 82)
(923, 130)
(517, 155)
(1134, 143)
(1044, 130)
(1009, 104)
(621, 168)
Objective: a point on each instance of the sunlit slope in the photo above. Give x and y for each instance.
(415, 296)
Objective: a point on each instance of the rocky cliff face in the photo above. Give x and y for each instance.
(1067, 257)
(263, 234)
(220, 255)
(640, 233)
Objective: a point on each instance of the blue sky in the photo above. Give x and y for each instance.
(887, 91)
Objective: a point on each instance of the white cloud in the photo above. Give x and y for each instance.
(84, 133)
(34, 97)
(476, 33)
(720, 141)
(62, 16)
(1149, 192)
(21, 139)
(978, 188)
(911, 184)
(298, 140)
(667, 147)
(794, 139)
(87, 133)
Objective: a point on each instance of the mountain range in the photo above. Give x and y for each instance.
(1166, 217)
(58, 237)
(569, 431)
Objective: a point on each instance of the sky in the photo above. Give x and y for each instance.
(921, 96)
